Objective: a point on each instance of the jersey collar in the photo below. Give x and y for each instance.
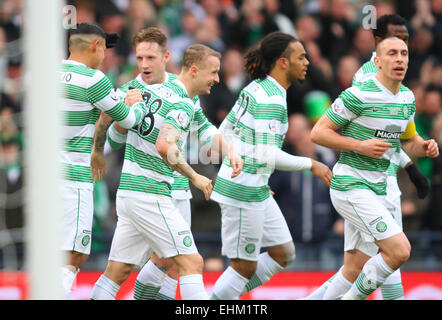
(284, 92)
(145, 84)
(67, 61)
(179, 83)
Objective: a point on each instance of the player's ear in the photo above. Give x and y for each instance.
(167, 56)
(377, 62)
(283, 62)
(193, 70)
(94, 45)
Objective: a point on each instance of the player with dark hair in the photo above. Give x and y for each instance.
(256, 125)
(85, 91)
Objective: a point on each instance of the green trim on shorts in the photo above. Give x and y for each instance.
(239, 232)
(78, 218)
(361, 219)
(170, 232)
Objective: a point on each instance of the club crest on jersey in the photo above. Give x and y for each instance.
(405, 111)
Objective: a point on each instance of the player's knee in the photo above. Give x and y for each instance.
(118, 271)
(290, 253)
(77, 259)
(283, 254)
(401, 255)
(398, 252)
(245, 268)
(173, 272)
(189, 263)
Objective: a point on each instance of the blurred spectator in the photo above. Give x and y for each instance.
(253, 24)
(283, 23)
(179, 43)
(436, 8)
(307, 29)
(209, 33)
(363, 45)
(11, 18)
(432, 219)
(169, 12)
(317, 59)
(111, 66)
(305, 200)
(423, 16)
(140, 14)
(85, 10)
(425, 119)
(337, 32)
(224, 94)
(113, 20)
(11, 208)
(431, 72)
(347, 67)
(12, 95)
(3, 56)
(384, 7)
(218, 9)
(420, 45)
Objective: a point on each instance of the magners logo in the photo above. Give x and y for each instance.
(390, 132)
(387, 135)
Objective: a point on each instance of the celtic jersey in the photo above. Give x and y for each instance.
(364, 111)
(144, 171)
(84, 92)
(401, 159)
(201, 128)
(257, 119)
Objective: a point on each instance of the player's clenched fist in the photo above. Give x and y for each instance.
(133, 96)
(431, 148)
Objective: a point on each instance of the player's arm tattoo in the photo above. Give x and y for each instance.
(167, 147)
(101, 127)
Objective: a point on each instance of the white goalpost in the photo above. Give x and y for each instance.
(42, 48)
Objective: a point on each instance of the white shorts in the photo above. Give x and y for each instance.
(183, 205)
(78, 214)
(393, 200)
(245, 231)
(367, 219)
(145, 226)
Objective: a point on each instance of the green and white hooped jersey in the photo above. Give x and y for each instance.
(365, 72)
(84, 92)
(202, 129)
(257, 119)
(364, 111)
(144, 171)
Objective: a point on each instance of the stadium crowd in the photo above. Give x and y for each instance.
(336, 44)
